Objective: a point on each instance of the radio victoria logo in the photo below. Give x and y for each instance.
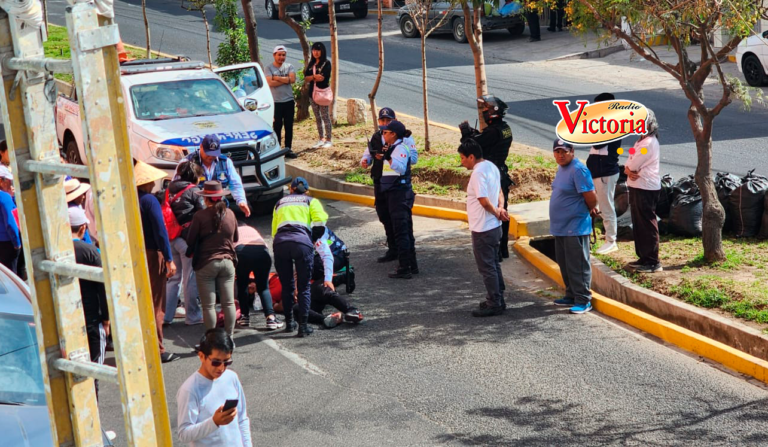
(600, 123)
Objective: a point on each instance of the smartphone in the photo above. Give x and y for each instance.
(229, 404)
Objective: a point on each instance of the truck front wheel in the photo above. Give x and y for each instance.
(72, 152)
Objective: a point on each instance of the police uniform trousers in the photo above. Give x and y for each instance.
(382, 211)
(288, 254)
(400, 202)
(504, 243)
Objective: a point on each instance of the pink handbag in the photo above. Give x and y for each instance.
(321, 96)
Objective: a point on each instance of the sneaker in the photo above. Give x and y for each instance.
(180, 313)
(608, 247)
(333, 320)
(534, 39)
(487, 312)
(305, 330)
(484, 305)
(244, 321)
(110, 435)
(318, 144)
(166, 323)
(353, 316)
(290, 153)
(327, 144)
(581, 308)
(649, 268)
(401, 273)
(565, 301)
(194, 323)
(168, 357)
(274, 323)
(291, 326)
(551, 30)
(388, 257)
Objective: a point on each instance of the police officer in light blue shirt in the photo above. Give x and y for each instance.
(219, 167)
(397, 191)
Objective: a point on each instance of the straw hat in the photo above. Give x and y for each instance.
(144, 173)
(212, 189)
(74, 189)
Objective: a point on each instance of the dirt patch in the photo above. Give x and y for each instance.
(438, 172)
(736, 288)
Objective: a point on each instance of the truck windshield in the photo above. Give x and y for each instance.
(21, 376)
(181, 99)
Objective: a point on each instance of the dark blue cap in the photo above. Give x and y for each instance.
(397, 127)
(211, 145)
(560, 144)
(386, 112)
(300, 184)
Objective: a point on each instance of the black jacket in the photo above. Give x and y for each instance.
(495, 139)
(186, 205)
(323, 69)
(93, 294)
(604, 165)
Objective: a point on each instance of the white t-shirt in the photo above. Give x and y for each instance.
(485, 181)
(199, 398)
(646, 164)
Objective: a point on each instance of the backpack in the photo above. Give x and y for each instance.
(171, 224)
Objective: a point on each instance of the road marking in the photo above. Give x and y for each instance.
(293, 357)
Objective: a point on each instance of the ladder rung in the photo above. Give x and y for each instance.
(72, 270)
(45, 167)
(40, 64)
(87, 369)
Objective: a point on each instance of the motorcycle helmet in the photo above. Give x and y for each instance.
(494, 108)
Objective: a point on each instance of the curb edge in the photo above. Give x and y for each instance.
(676, 335)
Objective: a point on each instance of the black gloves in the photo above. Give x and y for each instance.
(317, 233)
(466, 131)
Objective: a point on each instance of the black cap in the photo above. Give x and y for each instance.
(397, 127)
(386, 112)
(560, 144)
(604, 97)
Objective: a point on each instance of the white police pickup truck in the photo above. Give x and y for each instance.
(171, 104)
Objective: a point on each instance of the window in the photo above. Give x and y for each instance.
(242, 81)
(21, 376)
(182, 99)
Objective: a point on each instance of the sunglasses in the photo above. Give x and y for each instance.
(216, 362)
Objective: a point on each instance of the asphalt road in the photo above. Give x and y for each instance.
(528, 89)
(422, 371)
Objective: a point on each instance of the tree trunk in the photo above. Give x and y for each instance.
(251, 30)
(474, 32)
(146, 29)
(302, 105)
(375, 89)
(334, 58)
(207, 36)
(45, 15)
(424, 90)
(713, 215)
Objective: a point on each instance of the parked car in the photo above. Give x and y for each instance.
(24, 417)
(172, 104)
(752, 59)
(318, 9)
(454, 22)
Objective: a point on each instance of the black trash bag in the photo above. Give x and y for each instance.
(686, 185)
(747, 204)
(725, 184)
(665, 196)
(622, 176)
(763, 234)
(624, 230)
(621, 199)
(685, 214)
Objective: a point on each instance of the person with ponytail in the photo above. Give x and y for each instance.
(211, 242)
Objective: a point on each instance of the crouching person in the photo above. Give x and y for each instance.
(204, 417)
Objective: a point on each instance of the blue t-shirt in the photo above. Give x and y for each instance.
(568, 212)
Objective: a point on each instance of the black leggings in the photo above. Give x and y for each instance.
(256, 259)
(321, 297)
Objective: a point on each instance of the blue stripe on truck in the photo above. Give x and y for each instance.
(224, 137)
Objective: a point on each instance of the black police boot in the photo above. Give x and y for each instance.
(351, 280)
(305, 330)
(389, 256)
(414, 267)
(401, 273)
(487, 312)
(290, 325)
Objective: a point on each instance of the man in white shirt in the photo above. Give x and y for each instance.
(485, 210)
(202, 419)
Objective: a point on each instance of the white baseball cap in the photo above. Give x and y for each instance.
(279, 48)
(5, 173)
(77, 216)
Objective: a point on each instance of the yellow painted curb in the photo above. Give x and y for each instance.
(435, 212)
(678, 336)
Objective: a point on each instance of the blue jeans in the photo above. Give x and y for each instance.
(185, 276)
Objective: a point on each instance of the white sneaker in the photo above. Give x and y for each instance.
(180, 312)
(327, 144)
(608, 247)
(111, 435)
(318, 144)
